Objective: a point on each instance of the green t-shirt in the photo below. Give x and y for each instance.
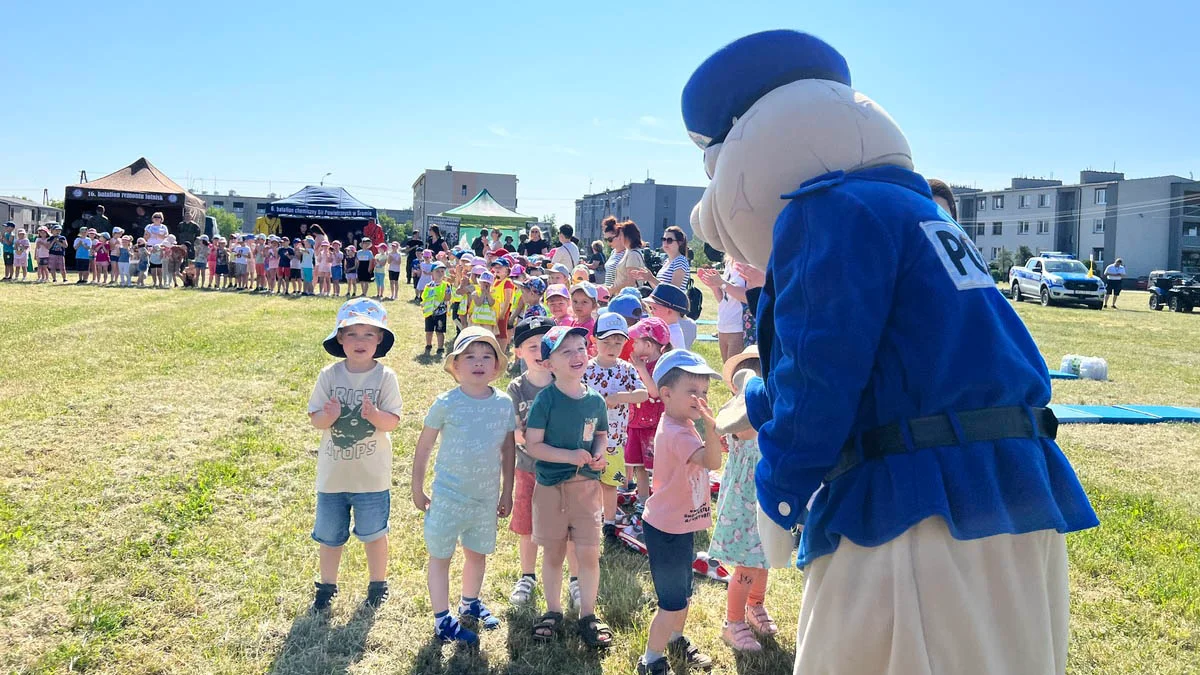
(570, 424)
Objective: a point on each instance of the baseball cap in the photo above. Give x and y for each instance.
(534, 326)
(502, 261)
(518, 270)
(628, 306)
(671, 297)
(478, 269)
(465, 339)
(360, 311)
(561, 269)
(487, 278)
(436, 266)
(608, 324)
(536, 285)
(586, 287)
(602, 293)
(652, 328)
(554, 337)
(690, 362)
(557, 289)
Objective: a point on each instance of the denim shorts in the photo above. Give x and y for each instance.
(670, 566)
(371, 512)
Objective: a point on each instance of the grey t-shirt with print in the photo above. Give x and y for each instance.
(523, 392)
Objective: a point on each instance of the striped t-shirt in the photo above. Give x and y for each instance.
(679, 262)
(610, 267)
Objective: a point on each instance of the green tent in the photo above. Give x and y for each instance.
(484, 212)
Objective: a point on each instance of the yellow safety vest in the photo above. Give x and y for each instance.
(433, 298)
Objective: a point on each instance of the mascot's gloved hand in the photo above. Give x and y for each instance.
(779, 544)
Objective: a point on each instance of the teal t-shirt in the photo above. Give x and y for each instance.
(472, 431)
(570, 424)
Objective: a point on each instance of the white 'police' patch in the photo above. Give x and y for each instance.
(963, 262)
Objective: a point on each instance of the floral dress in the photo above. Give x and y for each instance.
(735, 539)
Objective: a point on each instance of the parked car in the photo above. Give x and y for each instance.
(1174, 289)
(1056, 278)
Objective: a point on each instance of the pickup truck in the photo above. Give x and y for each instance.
(1056, 278)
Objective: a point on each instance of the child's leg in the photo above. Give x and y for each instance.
(428, 339)
(758, 588)
(330, 557)
(740, 589)
(377, 558)
(527, 553)
(474, 567)
(441, 337)
(643, 484)
(588, 571)
(609, 494)
(552, 562)
(439, 584)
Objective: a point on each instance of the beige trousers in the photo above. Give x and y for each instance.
(928, 604)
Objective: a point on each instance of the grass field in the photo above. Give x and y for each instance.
(156, 497)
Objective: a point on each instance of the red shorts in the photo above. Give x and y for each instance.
(639, 448)
(502, 328)
(521, 521)
(260, 269)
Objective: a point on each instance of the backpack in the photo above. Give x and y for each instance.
(653, 262)
(695, 301)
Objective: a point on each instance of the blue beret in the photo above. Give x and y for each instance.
(725, 86)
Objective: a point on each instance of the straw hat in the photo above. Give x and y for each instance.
(733, 365)
(469, 336)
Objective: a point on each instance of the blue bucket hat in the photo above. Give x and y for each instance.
(360, 311)
(671, 297)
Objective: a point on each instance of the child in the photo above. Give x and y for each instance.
(620, 385)
(567, 433)
(156, 263)
(355, 403)
(426, 268)
(559, 275)
(337, 266)
(222, 275)
(583, 307)
(502, 293)
(434, 301)
(670, 304)
(531, 299)
(295, 267)
(126, 260)
(679, 506)
(483, 303)
(324, 268)
(351, 270)
(271, 260)
(458, 293)
(735, 540)
(558, 302)
(395, 266)
(366, 261)
(473, 479)
(100, 256)
(41, 249)
(212, 261)
(10, 242)
(308, 256)
(58, 256)
(201, 259)
(143, 256)
(523, 390)
(651, 340)
(379, 269)
(21, 254)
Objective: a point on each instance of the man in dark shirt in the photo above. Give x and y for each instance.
(480, 243)
(412, 248)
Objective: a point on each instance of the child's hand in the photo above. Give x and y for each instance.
(332, 408)
(705, 412)
(582, 458)
(505, 506)
(420, 499)
(598, 463)
(368, 408)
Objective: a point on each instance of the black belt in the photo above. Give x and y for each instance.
(936, 431)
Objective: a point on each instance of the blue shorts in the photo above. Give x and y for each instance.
(379, 278)
(671, 558)
(371, 512)
(307, 274)
(202, 266)
(449, 521)
(336, 273)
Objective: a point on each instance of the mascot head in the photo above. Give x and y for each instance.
(771, 111)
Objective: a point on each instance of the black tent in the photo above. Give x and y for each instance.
(339, 214)
(130, 196)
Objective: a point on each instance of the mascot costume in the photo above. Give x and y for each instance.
(901, 414)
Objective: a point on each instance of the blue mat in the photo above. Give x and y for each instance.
(1111, 414)
(1069, 415)
(705, 322)
(706, 338)
(1166, 413)
(1061, 375)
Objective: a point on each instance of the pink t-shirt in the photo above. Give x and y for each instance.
(574, 322)
(680, 499)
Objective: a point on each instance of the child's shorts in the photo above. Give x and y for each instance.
(614, 472)
(260, 269)
(294, 273)
(569, 511)
(394, 275)
(449, 521)
(222, 270)
(43, 262)
(521, 521)
(379, 278)
(364, 269)
(307, 274)
(371, 512)
(81, 264)
(336, 273)
(639, 448)
(200, 265)
(670, 566)
(454, 311)
(239, 269)
(435, 323)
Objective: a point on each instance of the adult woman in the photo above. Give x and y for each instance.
(536, 245)
(626, 241)
(494, 244)
(677, 268)
(436, 243)
(730, 289)
(318, 235)
(596, 260)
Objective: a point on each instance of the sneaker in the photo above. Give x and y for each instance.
(324, 596)
(478, 611)
(441, 352)
(448, 629)
(682, 648)
(428, 349)
(377, 593)
(522, 590)
(573, 595)
(658, 667)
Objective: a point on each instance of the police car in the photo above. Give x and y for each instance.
(1056, 278)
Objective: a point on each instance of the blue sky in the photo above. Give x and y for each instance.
(565, 95)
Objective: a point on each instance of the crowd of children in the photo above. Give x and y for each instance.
(606, 401)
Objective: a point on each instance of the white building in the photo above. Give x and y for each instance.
(438, 190)
(28, 215)
(1151, 223)
(244, 207)
(652, 206)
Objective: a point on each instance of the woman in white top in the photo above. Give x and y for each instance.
(567, 252)
(677, 269)
(1114, 276)
(730, 290)
(627, 260)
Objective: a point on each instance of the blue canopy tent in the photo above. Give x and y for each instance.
(337, 211)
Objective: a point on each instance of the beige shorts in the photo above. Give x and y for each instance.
(570, 511)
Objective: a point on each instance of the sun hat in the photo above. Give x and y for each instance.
(608, 324)
(732, 418)
(652, 328)
(436, 266)
(478, 269)
(518, 270)
(588, 289)
(487, 278)
(427, 253)
(534, 326)
(554, 337)
(365, 312)
(561, 269)
(105, 235)
(733, 365)
(337, 243)
(628, 306)
(465, 339)
(687, 361)
(671, 297)
(537, 286)
(581, 273)
(500, 252)
(557, 290)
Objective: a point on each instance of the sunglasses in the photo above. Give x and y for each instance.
(609, 239)
(667, 240)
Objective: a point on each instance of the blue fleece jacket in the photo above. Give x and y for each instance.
(878, 309)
